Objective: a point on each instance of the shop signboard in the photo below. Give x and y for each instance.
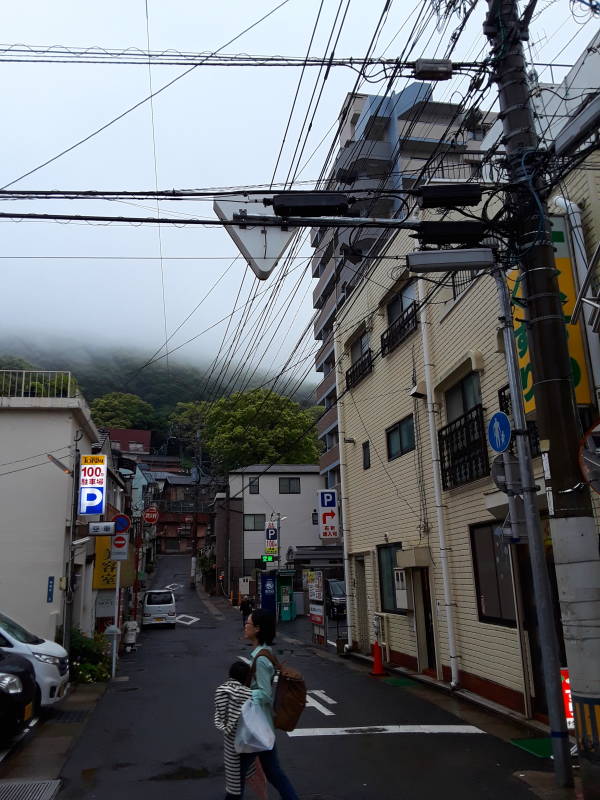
(315, 585)
(316, 613)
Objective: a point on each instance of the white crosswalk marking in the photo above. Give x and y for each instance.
(312, 703)
(372, 729)
(322, 696)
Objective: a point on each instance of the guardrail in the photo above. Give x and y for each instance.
(37, 383)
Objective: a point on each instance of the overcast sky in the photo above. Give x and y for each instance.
(214, 127)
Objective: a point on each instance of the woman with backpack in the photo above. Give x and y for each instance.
(260, 632)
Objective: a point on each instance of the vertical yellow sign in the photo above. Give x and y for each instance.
(575, 338)
(105, 569)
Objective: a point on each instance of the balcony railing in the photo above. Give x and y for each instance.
(463, 449)
(183, 507)
(360, 369)
(37, 383)
(505, 403)
(399, 330)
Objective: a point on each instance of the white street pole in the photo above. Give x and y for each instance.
(437, 489)
(116, 623)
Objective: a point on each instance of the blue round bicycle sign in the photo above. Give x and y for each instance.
(499, 432)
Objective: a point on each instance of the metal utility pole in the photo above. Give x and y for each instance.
(539, 569)
(574, 538)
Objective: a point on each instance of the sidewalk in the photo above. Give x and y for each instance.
(33, 766)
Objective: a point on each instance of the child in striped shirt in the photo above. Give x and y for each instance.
(229, 699)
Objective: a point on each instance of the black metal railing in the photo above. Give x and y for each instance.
(463, 449)
(462, 280)
(183, 507)
(399, 330)
(505, 402)
(360, 369)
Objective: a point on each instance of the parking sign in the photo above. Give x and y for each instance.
(92, 485)
(328, 513)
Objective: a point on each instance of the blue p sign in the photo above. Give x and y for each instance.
(91, 500)
(328, 499)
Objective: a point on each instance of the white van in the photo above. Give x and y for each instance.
(159, 608)
(50, 660)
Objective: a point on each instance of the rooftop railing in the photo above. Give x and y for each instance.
(37, 383)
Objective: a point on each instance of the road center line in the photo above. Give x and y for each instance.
(371, 729)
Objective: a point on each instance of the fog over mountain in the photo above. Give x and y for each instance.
(106, 369)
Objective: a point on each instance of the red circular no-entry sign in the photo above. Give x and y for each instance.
(119, 541)
(151, 515)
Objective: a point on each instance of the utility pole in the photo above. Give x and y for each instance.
(574, 538)
(68, 609)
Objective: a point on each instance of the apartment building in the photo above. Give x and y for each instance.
(396, 582)
(384, 142)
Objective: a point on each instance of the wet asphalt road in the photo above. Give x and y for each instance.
(151, 735)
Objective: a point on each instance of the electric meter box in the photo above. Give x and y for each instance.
(402, 589)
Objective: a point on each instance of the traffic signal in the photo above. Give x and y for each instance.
(266, 559)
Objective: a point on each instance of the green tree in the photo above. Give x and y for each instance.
(259, 427)
(187, 421)
(120, 410)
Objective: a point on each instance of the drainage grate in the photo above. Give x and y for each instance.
(28, 790)
(69, 716)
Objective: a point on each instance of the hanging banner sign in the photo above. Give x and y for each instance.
(92, 485)
(575, 337)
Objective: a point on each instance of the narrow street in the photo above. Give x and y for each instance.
(151, 734)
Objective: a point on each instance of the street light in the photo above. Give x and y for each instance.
(425, 261)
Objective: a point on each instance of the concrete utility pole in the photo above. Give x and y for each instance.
(574, 538)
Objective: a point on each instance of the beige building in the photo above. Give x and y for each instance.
(396, 583)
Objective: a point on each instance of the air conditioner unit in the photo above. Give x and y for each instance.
(402, 589)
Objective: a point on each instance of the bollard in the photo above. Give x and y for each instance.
(378, 670)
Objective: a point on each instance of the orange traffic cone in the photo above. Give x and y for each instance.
(378, 670)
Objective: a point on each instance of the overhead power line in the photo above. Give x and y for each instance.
(142, 101)
(59, 54)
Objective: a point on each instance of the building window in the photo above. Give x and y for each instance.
(136, 447)
(400, 438)
(332, 478)
(361, 359)
(254, 522)
(402, 319)
(462, 397)
(386, 556)
(253, 486)
(401, 302)
(289, 485)
(332, 439)
(366, 453)
(359, 348)
(493, 576)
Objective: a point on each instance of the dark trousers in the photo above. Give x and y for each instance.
(269, 761)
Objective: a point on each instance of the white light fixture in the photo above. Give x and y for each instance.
(450, 260)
